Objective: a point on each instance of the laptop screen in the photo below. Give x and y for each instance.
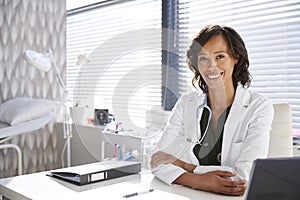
(274, 179)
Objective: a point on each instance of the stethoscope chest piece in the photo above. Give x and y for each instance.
(219, 157)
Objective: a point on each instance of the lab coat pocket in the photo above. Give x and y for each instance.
(236, 149)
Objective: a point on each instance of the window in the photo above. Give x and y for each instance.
(123, 42)
(271, 31)
(134, 78)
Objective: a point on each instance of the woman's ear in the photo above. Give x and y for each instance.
(236, 60)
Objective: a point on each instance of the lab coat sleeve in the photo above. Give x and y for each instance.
(172, 142)
(168, 173)
(205, 169)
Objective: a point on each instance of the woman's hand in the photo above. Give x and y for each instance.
(161, 158)
(218, 182)
(165, 158)
(215, 181)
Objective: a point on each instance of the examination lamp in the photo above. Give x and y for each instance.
(44, 62)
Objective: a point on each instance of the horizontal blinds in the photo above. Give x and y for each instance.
(271, 31)
(123, 41)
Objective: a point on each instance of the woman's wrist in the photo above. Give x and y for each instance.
(190, 179)
(189, 167)
(186, 166)
(179, 163)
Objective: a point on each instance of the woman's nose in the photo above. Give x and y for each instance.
(212, 65)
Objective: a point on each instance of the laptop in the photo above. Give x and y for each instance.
(274, 179)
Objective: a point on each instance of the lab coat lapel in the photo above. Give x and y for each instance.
(192, 123)
(238, 107)
(190, 113)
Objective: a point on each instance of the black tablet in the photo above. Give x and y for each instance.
(274, 179)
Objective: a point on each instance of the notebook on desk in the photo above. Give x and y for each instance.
(95, 172)
(274, 179)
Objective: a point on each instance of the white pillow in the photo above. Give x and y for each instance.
(23, 109)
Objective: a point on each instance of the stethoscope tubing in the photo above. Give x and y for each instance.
(197, 135)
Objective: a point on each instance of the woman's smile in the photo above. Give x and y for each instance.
(214, 76)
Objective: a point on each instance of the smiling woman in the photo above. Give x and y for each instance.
(231, 125)
(216, 64)
(226, 46)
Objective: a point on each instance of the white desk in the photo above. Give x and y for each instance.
(39, 186)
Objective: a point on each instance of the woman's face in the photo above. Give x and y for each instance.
(215, 63)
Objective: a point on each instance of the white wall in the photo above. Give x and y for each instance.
(37, 25)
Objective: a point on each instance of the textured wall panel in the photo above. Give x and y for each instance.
(37, 25)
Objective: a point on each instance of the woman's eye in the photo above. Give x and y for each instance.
(220, 57)
(203, 59)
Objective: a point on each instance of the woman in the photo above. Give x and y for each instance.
(213, 136)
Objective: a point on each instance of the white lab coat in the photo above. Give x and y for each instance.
(245, 136)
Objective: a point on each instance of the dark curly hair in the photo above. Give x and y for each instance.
(237, 50)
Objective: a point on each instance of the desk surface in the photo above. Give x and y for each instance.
(39, 186)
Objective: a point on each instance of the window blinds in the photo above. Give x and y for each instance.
(123, 43)
(271, 31)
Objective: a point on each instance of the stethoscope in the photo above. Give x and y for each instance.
(197, 139)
